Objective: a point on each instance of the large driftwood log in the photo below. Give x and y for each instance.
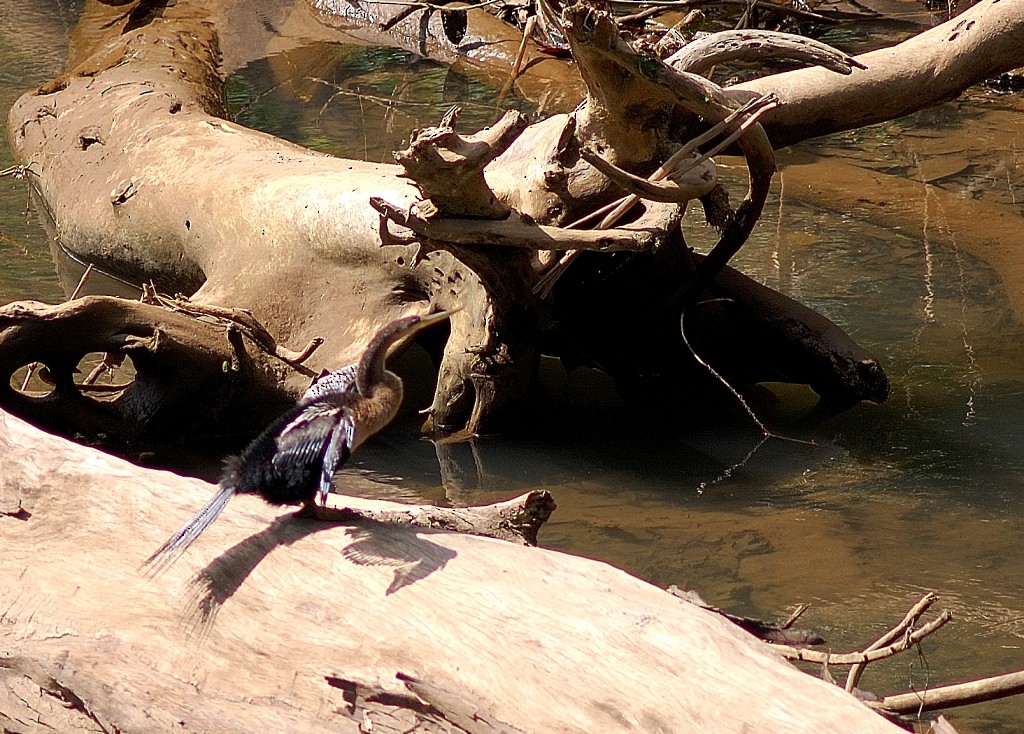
(274, 623)
(141, 176)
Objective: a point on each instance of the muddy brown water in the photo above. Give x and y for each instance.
(908, 234)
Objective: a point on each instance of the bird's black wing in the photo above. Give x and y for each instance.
(333, 383)
(302, 444)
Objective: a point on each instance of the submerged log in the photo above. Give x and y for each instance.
(275, 623)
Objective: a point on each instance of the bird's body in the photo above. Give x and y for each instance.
(293, 460)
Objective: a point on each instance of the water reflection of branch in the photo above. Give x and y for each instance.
(387, 102)
(738, 465)
(766, 434)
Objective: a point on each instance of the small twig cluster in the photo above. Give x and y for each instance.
(905, 635)
(235, 320)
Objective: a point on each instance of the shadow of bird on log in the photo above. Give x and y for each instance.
(372, 544)
(412, 557)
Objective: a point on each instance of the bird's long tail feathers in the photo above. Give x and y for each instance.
(181, 540)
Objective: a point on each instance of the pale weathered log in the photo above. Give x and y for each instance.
(930, 68)
(275, 623)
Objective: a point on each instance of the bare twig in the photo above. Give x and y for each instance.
(401, 15)
(20, 172)
(905, 624)
(797, 613)
(81, 282)
(517, 65)
(244, 320)
(640, 17)
(739, 398)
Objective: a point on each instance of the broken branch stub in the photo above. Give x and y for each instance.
(448, 167)
(517, 520)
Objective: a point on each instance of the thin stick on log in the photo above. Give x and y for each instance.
(797, 613)
(906, 623)
(81, 282)
(955, 694)
(868, 656)
(248, 323)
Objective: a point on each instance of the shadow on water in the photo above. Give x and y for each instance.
(924, 492)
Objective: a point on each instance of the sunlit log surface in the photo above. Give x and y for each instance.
(269, 622)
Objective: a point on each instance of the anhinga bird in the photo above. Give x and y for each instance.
(294, 459)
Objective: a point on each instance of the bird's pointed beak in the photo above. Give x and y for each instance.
(435, 318)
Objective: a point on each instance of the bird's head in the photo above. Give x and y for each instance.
(371, 365)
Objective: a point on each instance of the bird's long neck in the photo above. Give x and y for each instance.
(371, 365)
